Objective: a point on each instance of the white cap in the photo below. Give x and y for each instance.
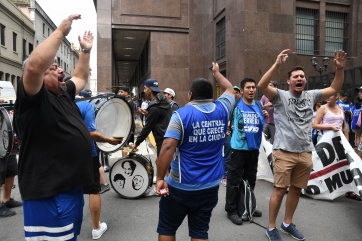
(169, 91)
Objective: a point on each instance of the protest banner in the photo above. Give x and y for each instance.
(336, 167)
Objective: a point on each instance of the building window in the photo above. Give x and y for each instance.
(30, 48)
(220, 40)
(336, 32)
(14, 41)
(48, 32)
(2, 32)
(43, 28)
(307, 35)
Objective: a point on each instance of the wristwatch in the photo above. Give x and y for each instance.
(86, 50)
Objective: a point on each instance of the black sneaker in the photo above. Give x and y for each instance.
(292, 231)
(12, 203)
(104, 188)
(235, 219)
(257, 213)
(6, 212)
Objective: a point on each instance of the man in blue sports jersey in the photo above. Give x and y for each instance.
(248, 122)
(87, 111)
(193, 146)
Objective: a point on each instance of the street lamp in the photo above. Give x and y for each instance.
(314, 61)
(320, 70)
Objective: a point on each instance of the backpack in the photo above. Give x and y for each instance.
(247, 201)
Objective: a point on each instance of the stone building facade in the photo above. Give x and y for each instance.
(180, 39)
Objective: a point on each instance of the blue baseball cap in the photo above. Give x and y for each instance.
(85, 93)
(152, 84)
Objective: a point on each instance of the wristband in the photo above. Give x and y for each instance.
(86, 51)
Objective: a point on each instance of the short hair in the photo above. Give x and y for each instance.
(131, 163)
(344, 93)
(294, 69)
(201, 89)
(273, 82)
(246, 80)
(119, 176)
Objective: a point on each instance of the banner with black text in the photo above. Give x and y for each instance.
(336, 167)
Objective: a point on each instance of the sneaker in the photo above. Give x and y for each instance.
(97, 233)
(106, 168)
(151, 191)
(104, 188)
(235, 219)
(245, 217)
(223, 182)
(273, 235)
(12, 203)
(292, 231)
(6, 212)
(257, 213)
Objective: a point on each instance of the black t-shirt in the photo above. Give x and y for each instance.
(56, 148)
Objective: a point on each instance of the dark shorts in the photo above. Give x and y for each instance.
(12, 167)
(8, 168)
(3, 164)
(197, 205)
(95, 187)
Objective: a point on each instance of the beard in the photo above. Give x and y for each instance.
(62, 87)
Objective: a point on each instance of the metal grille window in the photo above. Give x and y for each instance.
(307, 34)
(336, 30)
(2, 33)
(220, 40)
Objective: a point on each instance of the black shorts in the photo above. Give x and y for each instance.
(3, 164)
(8, 168)
(95, 186)
(12, 167)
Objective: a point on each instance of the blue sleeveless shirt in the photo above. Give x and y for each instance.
(198, 162)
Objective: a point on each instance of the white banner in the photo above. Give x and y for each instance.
(336, 167)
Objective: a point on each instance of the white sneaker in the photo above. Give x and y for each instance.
(97, 233)
(151, 191)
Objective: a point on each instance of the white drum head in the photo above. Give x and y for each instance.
(6, 133)
(113, 119)
(130, 177)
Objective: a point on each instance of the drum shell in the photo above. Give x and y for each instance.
(6, 133)
(113, 118)
(143, 168)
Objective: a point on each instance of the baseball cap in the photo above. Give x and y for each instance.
(169, 91)
(152, 84)
(359, 88)
(85, 93)
(236, 88)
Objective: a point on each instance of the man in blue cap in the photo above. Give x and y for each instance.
(158, 114)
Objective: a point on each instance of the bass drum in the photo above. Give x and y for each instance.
(131, 175)
(7, 133)
(113, 119)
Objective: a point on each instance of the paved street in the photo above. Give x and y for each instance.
(136, 220)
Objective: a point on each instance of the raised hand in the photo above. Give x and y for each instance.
(282, 57)
(66, 24)
(86, 42)
(340, 59)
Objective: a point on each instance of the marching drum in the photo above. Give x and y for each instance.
(131, 175)
(113, 119)
(7, 133)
